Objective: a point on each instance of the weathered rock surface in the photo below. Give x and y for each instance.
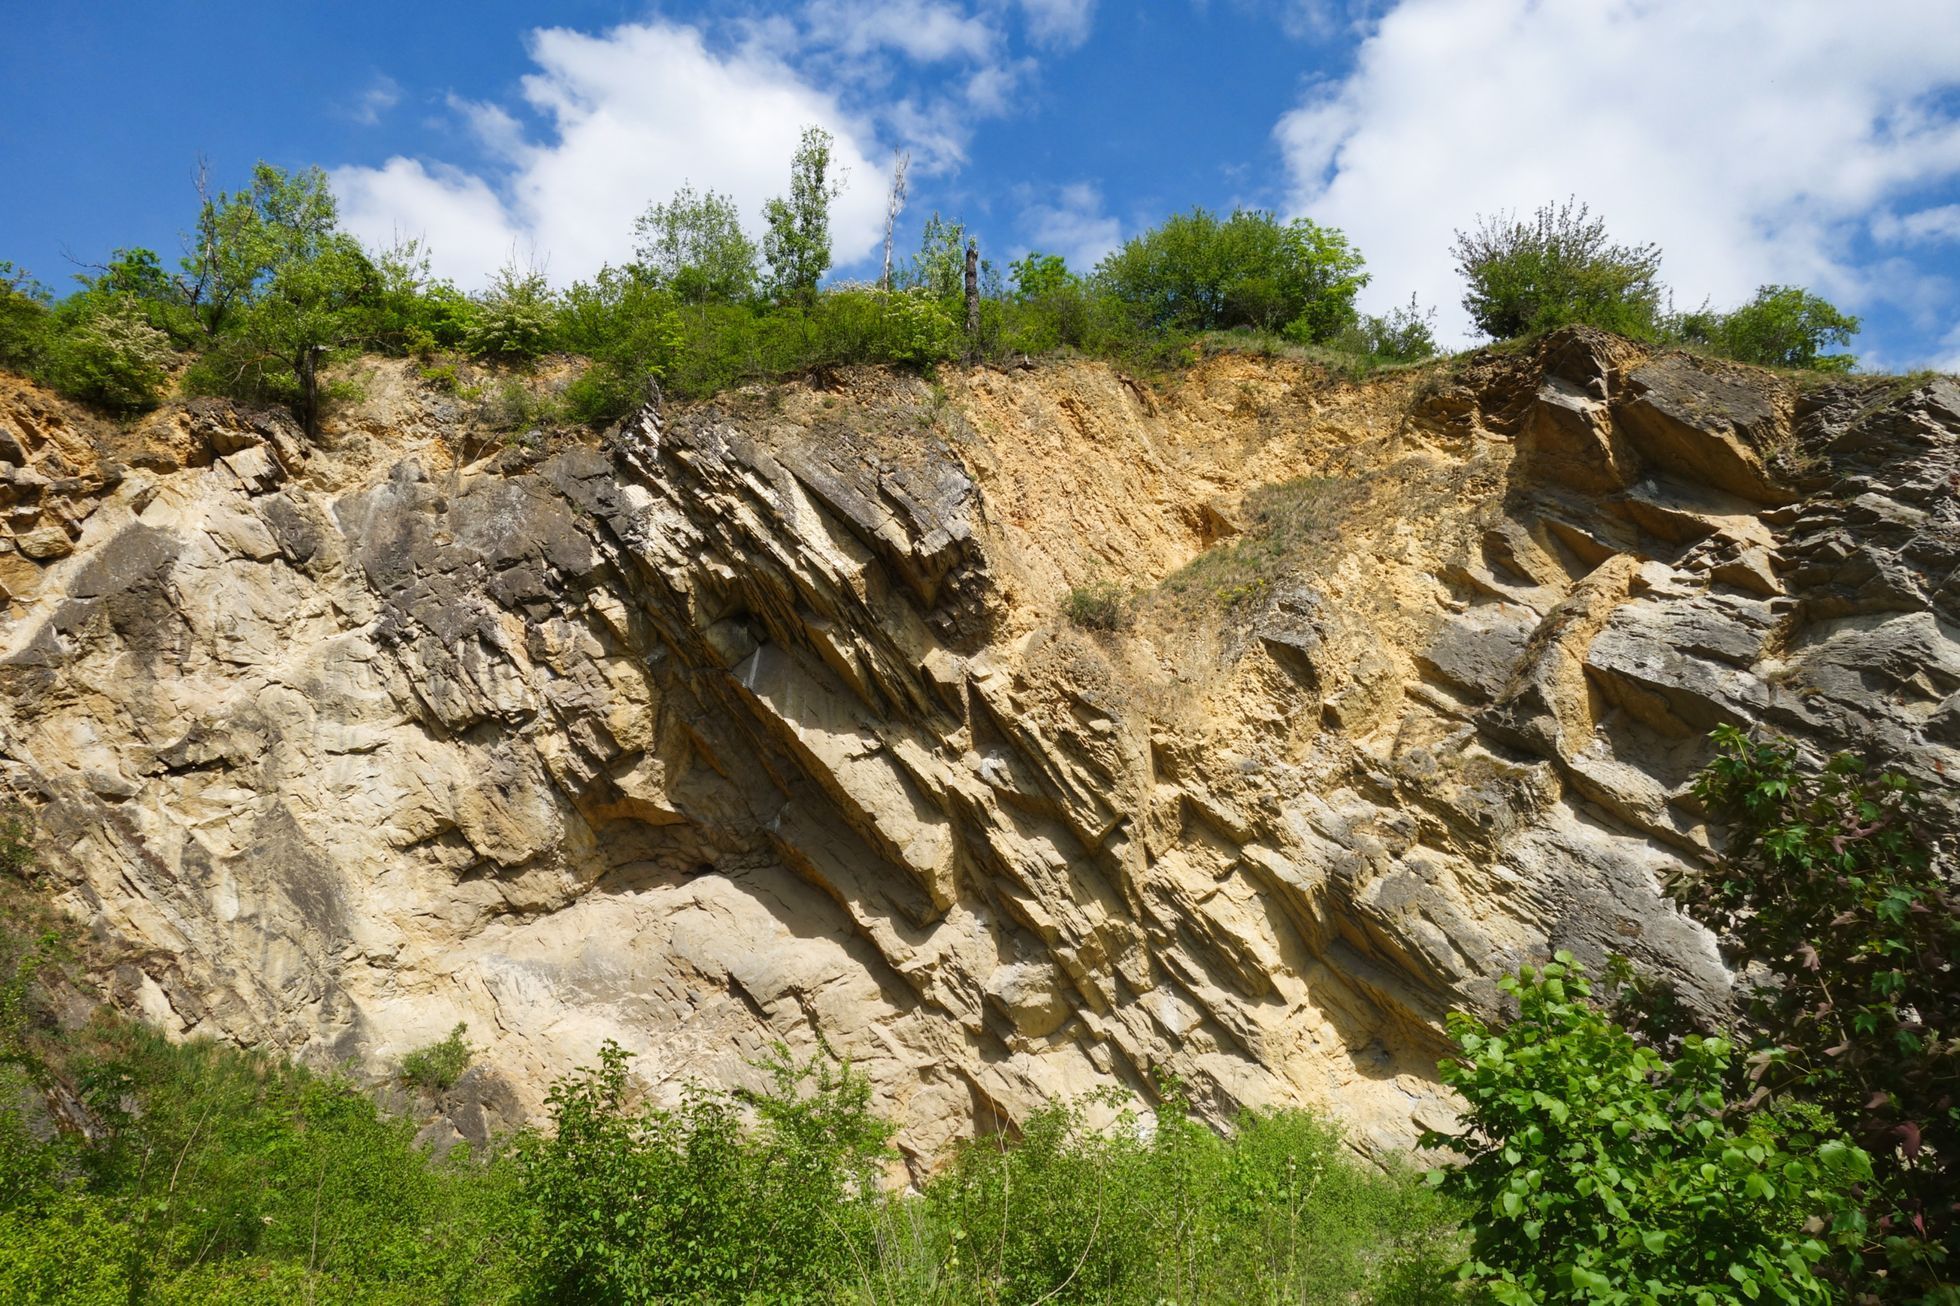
(761, 723)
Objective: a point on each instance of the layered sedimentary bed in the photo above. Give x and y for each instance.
(762, 720)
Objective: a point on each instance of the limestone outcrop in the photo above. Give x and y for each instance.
(762, 720)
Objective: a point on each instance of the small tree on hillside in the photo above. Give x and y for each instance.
(1556, 269)
(278, 290)
(797, 242)
(24, 317)
(1786, 326)
(1838, 884)
(1038, 276)
(694, 245)
(1197, 272)
(1597, 1170)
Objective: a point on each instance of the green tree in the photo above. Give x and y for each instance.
(1556, 269)
(797, 242)
(694, 245)
(1198, 273)
(1599, 1171)
(24, 319)
(244, 240)
(938, 270)
(1786, 326)
(1037, 276)
(279, 291)
(1831, 880)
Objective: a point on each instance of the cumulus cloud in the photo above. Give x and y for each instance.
(1063, 23)
(372, 104)
(925, 30)
(1923, 227)
(1752, 140)
(1072, 224)
(626, 117)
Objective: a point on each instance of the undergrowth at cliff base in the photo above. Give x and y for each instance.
(134, 1170)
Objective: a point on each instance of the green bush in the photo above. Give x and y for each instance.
(1197, 273)
(1831, 880)
(24, 319)
(1401, 335)
(515, 320)
(1599, 1171)
(1557, 269)
(106, 353)
(640, 1204)
(1783, 326)
(438, 1066)
(1096, 606)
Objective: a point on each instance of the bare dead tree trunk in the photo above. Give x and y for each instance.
(972, 296)
(893, 204)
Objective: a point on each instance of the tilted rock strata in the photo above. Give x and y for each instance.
(759, 722)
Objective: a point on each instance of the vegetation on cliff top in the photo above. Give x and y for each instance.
(270, 292)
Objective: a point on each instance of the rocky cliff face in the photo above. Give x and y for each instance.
(762, 721)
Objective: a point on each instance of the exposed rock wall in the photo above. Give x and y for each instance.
(761, 721)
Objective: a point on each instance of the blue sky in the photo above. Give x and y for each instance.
(1755, 140)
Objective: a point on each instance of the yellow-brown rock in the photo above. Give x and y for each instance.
(762, 720)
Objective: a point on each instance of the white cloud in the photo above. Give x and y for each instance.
(1751, 140)
(927, 31)
(1924, 227)
(1947, 357)
(1321, 19)
(381, 95)
(465, 228)
(629, 116)
(1073, 225)
(1063, 23)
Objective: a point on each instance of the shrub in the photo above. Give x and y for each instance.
(860, 325)
(437, 1067)
(1402, 335)
(1599, 1171)
(643, 1204)
(514, 319)
(1830, 880)
(1783, 326)
(24, 318)
(1197, 273)
(1556, 269)
(1096, 606)
(107, 354)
